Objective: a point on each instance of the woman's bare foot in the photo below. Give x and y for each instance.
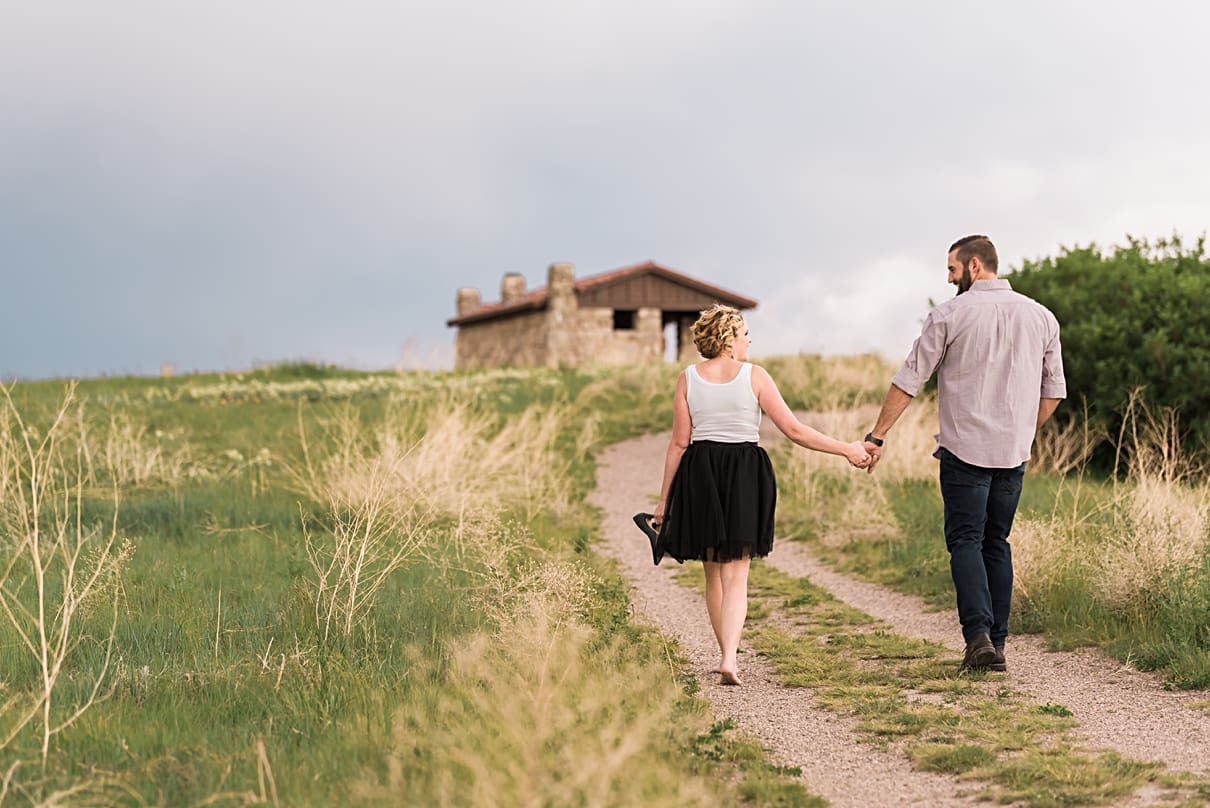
(728, 676)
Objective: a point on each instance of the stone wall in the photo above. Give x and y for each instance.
(585, 337)
(597, 342)
(518, 341)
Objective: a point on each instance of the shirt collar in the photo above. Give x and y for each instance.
(991, 285)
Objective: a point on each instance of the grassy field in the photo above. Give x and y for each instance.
(305, 586)
(308, 586)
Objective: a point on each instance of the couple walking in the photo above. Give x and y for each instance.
(1000, 377)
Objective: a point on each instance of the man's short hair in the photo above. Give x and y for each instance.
(980, 247)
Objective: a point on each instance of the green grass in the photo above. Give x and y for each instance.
(910, 694)
(217, 653)
(1170, 636)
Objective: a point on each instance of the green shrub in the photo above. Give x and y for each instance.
(1131, 317)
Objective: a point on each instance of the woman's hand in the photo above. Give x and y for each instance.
(857, 456)
(657, 517)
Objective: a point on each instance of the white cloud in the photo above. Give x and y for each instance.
(873, 308)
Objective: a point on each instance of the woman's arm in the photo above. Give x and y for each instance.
(682, 428)
(783, 418)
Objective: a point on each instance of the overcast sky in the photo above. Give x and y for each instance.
(219, 184)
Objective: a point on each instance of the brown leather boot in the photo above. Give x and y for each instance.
(980, 653)
(1000, 666)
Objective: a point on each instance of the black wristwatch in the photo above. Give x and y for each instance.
(869, 438)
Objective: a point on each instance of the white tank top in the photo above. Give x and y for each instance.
(727, 412)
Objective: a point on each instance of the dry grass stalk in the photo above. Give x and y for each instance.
(371, 534)
(867, 514)
(640, 382)
(119, 452)
(1162, 531)
(53, 568)
(94, 789)
(1149, 444)
(1045, 551)
(1060, 448)
(856, 373)
(450, 460)
(533, 699)
(1161, 519)
(841, 379)
(910, 445)
(385, 490)
(863, 510)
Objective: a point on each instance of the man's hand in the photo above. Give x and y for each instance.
(857, 455)
(875, 453)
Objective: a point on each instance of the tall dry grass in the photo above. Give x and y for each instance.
(1046, 553)
(386, 491)
(133, 455)
(1161, 533)
(850, 504)
(843, 381)
(1152, 529)
(535, 714)
(1062, 447)
(1162, 529)
(447, 458)
(54, 571)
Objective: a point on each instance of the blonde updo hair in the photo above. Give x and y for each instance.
(716, 329)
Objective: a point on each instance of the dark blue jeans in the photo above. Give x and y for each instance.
(979, 507)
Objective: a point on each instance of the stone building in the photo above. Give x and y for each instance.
(615, 318)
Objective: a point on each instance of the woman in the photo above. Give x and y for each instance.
(718, 493)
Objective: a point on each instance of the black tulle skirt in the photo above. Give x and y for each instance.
(720, 505)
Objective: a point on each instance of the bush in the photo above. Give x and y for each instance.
(1132, 317)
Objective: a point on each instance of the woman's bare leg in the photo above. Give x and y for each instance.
(734, 612)
(714, 599)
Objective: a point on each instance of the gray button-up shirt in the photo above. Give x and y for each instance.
(996, 353)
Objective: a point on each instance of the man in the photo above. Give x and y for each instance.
(1000, 377)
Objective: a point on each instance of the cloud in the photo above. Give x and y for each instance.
(874, 308)
(221, 183)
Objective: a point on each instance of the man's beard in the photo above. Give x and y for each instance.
(964, 283)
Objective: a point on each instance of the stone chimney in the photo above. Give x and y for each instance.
(468, 301)
(560, 285)
(512, 287)
(562, 345)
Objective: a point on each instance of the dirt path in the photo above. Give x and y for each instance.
(1118, 708)
(824, 745)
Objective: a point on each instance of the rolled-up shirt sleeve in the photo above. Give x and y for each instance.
(1054, 385)
(927, 352)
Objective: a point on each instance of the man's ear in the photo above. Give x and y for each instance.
(974, 265)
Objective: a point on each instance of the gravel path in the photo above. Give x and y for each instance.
(1118, 708)
(824, 745)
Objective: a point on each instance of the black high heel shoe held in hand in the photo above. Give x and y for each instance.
(646, 523)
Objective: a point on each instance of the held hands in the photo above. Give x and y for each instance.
(875, 452)
(858, 455)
